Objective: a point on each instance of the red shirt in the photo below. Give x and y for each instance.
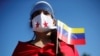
(27, 49)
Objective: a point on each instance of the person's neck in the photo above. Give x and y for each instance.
(41, 40)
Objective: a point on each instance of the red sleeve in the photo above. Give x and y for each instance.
(24, 49)
(68, 50)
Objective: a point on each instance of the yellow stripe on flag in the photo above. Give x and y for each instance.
(77, 30)
(67, 28)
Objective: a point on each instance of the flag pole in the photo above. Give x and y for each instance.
(57, 42)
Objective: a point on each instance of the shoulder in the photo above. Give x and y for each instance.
(68, 50)
(65, 47)
(63, 44)
(23, 48)
(20, 44)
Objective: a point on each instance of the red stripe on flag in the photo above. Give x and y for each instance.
(78, 41)
(72, 41)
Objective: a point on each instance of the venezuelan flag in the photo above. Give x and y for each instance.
(74, 36)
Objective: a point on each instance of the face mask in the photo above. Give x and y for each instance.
(42, 23)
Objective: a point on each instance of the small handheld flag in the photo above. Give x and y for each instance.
(74, 36)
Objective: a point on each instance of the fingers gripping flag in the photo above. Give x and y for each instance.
(74, 36)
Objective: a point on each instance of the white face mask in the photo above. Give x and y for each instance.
(43, 23)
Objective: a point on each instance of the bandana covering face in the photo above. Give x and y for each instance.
(42, 23)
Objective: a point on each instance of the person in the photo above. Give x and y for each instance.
(43, 24)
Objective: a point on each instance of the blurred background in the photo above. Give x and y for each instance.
(15, 14)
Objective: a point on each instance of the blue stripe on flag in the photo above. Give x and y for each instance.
(73, 36)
